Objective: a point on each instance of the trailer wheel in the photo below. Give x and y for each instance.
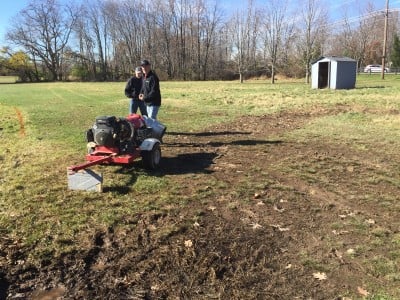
(151, 159)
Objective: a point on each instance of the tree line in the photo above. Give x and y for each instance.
(103, 40)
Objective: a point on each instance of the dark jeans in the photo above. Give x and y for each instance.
(135, 104)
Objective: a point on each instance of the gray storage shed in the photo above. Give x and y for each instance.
(333, 72)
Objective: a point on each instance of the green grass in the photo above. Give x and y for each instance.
(42, 130)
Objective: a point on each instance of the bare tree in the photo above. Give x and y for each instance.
(356, 39)
(165, 21)
(244, 33)
(278, 28)
(210, 24)
(313, 28)
(128, 32)
(85, 58)
(43, 29)
(181, 17)
(360, 37)
(183, 38)
(98, 24)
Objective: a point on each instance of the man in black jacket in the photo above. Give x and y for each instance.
(150, 93)
(132, 90)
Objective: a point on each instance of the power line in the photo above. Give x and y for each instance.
(352, 20)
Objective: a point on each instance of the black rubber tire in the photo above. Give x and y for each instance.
(151, 159)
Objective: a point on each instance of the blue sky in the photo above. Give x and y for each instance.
(10, 8)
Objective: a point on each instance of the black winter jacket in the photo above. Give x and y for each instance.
(151, 89)
(133, 88)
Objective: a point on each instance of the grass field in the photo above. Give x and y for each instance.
(42, 129)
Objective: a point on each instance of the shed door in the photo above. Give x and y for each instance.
(323, 75)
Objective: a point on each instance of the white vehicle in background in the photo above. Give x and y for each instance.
(374, 69)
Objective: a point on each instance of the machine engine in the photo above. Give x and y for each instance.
(109, 131)
(123, 134)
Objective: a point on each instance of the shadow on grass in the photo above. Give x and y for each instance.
(220, 144)
(4, 284)
(370, 87)
(208, 133)
(188, 163)
(199, 162)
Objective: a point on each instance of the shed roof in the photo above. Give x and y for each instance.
(335, 58)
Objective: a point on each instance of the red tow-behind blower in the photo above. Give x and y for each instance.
(115, 140)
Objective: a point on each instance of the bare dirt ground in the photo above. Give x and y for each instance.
(253, 230)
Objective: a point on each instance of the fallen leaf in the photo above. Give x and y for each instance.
(255, 225)
(320, 276)
(155, 287)
(362, 292)
(280, 228)
(152, 227)
(339, 232)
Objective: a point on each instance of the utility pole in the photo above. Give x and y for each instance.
(384, 40)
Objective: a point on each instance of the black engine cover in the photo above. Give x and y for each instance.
(104, 130)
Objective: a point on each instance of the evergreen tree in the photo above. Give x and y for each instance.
(395, 56)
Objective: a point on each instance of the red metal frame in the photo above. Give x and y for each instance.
(102, 155)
